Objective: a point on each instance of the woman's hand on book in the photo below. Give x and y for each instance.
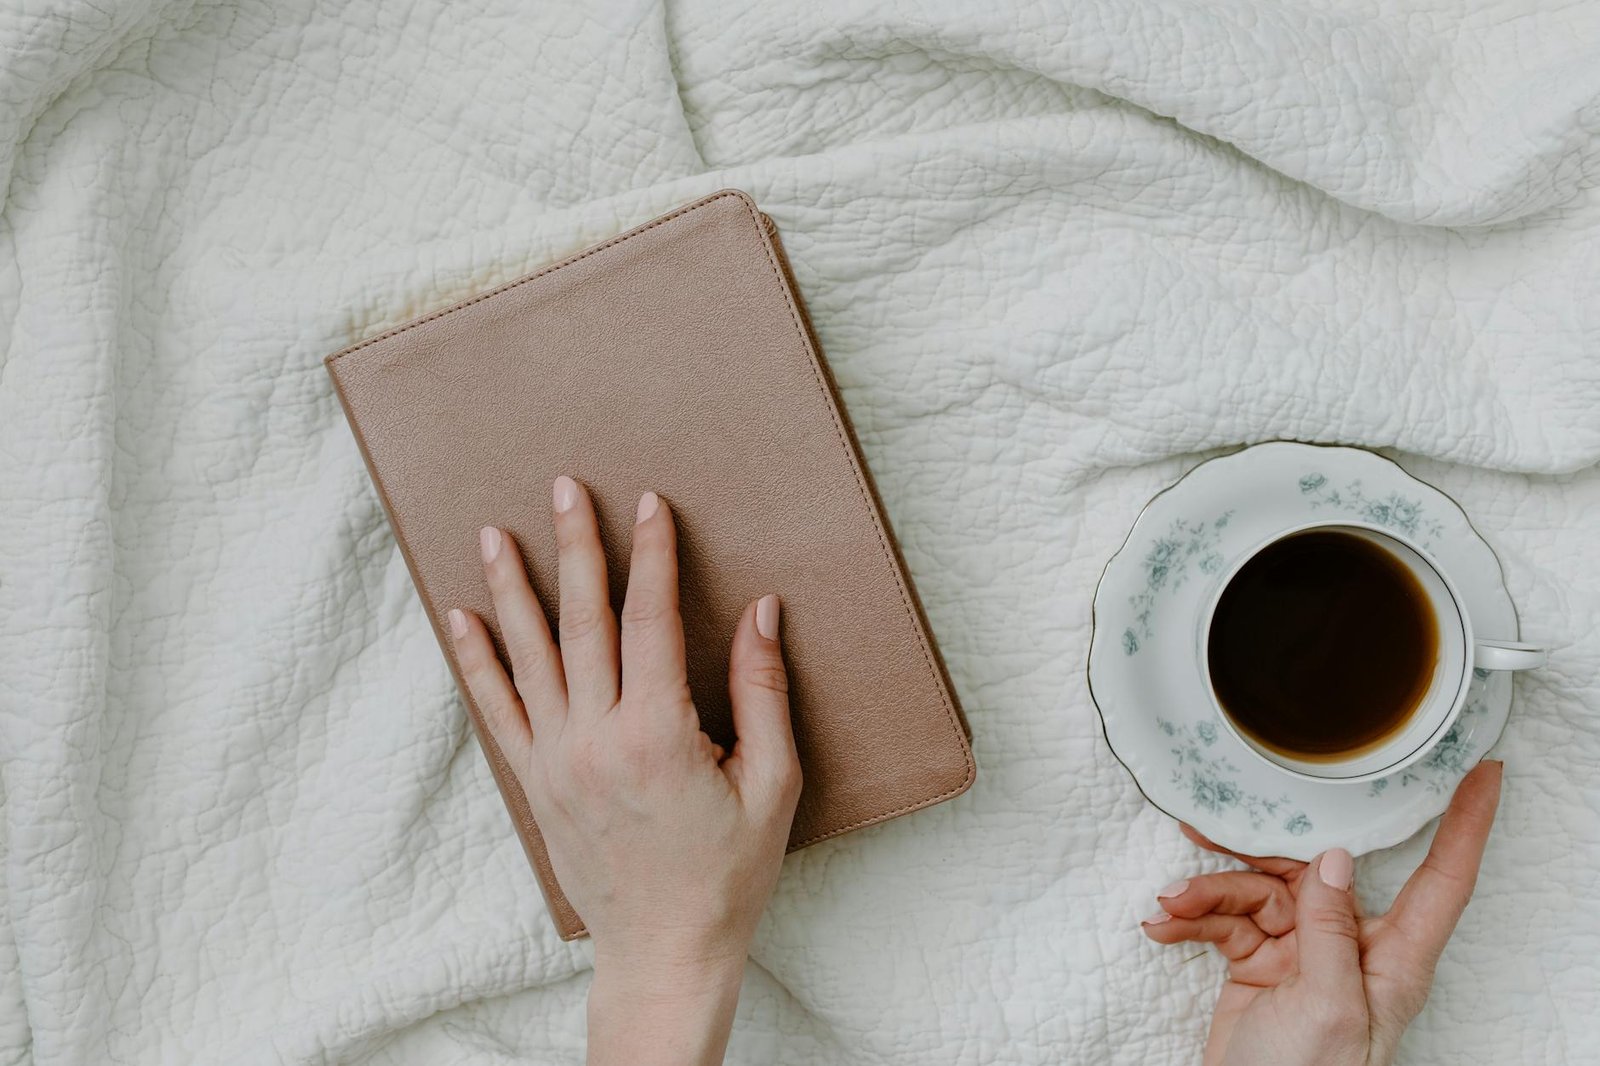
(1311, 981)
(667, 846)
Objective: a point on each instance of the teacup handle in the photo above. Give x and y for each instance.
(1508, 655)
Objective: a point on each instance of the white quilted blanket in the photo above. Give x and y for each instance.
(1055, 252)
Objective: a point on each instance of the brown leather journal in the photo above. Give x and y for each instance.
(675, 357)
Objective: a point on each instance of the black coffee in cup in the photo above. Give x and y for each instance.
(1322, 646)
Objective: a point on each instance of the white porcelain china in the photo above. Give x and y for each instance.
(1147, 670)
(1457, 655)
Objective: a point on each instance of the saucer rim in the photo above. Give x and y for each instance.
(1374, 840)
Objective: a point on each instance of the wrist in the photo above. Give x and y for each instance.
(690, 956)
(670, 976)
(670, 1008)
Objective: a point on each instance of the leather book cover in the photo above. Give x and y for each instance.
(676, 357)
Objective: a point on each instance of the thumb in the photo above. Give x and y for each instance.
(758, 685)
(1327, 933)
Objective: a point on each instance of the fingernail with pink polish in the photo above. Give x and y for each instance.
(489, 543)
(458, 624)
(1157, 918)
(564, 494)
(767, 610)
(648, 504)
(1337, 869)
(1177, 888)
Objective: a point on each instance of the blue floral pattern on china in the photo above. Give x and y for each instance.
(1166, 568)
(1403, 514)
(1213, 784)
(1451, 758)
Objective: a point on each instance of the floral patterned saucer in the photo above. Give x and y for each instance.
(1146, 677)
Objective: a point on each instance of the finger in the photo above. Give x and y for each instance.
(535, 663)
(1269, 966)
(764, 759)
(1235, 937)
(1431, 902)
(1264, 899)
(490, 688)
(652, 630)
(1278, 867)
(1327, 932)
(588, 626)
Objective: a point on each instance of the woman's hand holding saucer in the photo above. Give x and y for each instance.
(1311, 981)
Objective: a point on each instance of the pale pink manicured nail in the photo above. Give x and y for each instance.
(1177, 888)
(565, 494)
(1157, 918)
(767, 617)
(648, 503)
(1337, 869)
(458, 624)
(489, 543)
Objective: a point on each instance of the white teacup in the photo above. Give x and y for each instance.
(1459, 652)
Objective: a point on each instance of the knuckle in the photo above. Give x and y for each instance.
(658, 700)
(494, 712)
(526, 654)
(571, 531)
(644, 610)
(768, 675)
(1461, 884)
(478, 668)
(1334, 921)
(502, 717)
(582, 619)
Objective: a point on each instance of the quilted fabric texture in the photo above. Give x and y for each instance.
(1055, 251)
